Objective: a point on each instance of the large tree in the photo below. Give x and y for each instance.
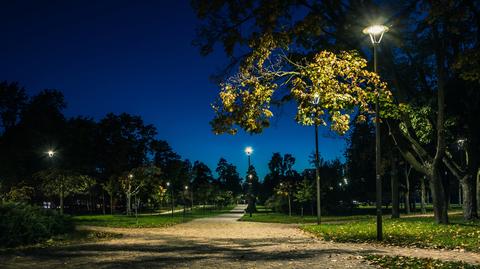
(418, 59)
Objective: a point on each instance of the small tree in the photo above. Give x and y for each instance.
(131, 183)
(304, 193)
(285, 189)
(110, 187)
(62, 183)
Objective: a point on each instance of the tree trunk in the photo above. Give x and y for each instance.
(423, 195)
(103, 202)
(478, 191)
(460, 193)
(394, 189)
(111, 203)
(301, 210)
(289, 206)
(407, 189)
(469, 199)
(129, 200)
(61, 202)
(440, 208)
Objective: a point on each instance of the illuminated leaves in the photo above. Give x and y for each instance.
(340, 81)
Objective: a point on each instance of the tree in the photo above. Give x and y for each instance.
(110, 186)
(285, 189)
(428, 58)
(228, 177)
(304, 193)
(133, 181)
(12, 100)
(62, 183)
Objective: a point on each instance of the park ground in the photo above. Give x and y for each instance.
(220, 241)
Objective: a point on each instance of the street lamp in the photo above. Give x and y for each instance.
(249, 151)
(315, 102)
(51, 153)
(376, 33)
(171, 195)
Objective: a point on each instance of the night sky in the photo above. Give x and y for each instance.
(137, 57)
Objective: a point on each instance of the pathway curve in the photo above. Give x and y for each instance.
(216, 242)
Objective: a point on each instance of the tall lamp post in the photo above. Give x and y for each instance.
(249, 151)
(171, 195)
(316, 100)
(376, 34)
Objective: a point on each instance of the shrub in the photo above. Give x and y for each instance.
(22, 224)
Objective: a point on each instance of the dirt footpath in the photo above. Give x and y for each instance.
(217, 242)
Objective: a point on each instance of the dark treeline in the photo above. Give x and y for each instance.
(110, 165)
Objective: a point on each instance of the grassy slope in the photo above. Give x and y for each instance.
(400, 262)
(416, 232)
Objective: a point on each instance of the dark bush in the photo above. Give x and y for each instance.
(22, 224)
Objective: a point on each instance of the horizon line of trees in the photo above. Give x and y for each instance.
(114, 163)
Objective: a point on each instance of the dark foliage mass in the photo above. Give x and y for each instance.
(22, 224)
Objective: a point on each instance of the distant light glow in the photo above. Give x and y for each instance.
(168, 184)
(248, 150)
(186, 187)
(130, 176)
(50, 153)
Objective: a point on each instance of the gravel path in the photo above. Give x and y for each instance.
(216, 242)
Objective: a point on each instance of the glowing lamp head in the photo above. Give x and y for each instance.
(248, 151)
(375, 32)
(130, 176)
(51, 153)
(186, 187)
(168, 184)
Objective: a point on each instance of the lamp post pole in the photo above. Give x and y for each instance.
(376, 34)
(249, 151)
(317, 176)
(171, 195)
(315, 101)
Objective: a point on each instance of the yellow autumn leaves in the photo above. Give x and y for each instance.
(340, 81)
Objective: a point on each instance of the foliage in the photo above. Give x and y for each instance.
(402, 262)
(304, 192)
(340, 82)
(413, 232)
(61, 182)
(20, 193)
(24, 224)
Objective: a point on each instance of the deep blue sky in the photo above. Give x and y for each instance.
(137, 57)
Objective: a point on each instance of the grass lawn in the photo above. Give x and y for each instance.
(400, 262)
(283, 218)
(146, 220)
(416, 232)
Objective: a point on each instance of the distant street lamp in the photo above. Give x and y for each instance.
(51, 153)
(184, 201)
(249, 151)
(315, 101)
(171, 195)
(376, 34)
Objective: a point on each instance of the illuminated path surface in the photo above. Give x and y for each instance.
(216, 242)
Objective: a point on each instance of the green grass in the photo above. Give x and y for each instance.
(283, 218)
(415, 232)
(146, 220)
(401, 262)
